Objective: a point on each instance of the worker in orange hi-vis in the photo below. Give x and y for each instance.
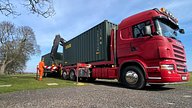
(41, 69)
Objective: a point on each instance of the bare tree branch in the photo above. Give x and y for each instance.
(40, 7)
(7, 8)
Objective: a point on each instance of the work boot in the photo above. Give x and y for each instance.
(40, 78)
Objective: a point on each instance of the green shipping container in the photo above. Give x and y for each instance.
(91, 46)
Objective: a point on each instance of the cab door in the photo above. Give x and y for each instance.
(142, 46)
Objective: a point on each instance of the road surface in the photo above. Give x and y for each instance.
(99, 95)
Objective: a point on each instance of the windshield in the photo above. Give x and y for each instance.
(166, 28)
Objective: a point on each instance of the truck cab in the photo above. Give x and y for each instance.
(148, 42)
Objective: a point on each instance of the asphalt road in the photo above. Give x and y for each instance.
(99, 95)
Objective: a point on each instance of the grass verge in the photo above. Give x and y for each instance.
(28, 82)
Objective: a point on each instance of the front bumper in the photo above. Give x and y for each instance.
(167, 76)
(157, 74)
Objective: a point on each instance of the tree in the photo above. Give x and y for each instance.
(16, 47)
(41, 7)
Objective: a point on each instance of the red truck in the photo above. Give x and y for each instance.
(142, 49)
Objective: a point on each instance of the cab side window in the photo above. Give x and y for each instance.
(138, 29)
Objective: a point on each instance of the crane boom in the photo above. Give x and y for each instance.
(55, 46)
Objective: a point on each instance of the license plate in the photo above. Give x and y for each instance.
(184, 78)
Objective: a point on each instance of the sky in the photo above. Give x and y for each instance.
(76, 16)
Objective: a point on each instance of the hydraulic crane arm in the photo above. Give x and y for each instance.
(55, 46)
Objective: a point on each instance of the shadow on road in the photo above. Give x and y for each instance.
(113, 83)
(150, 88)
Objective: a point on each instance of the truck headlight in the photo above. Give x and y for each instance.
(167, 67)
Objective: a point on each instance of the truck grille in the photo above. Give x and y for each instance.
(180, 58)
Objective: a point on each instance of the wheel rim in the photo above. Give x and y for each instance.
(64, 75)
(131, 77)
(71, 75)
(45, 74)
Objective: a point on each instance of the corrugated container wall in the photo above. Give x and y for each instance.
(48, 61)
(91, 46)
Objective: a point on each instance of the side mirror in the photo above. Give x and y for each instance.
(182, 31)
(147, 30)
(156, 33)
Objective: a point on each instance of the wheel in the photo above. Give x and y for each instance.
(64, 75)
(72, 76)
(132, 77)
(157, 85)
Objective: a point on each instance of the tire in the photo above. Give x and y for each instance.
(133, 77)
(64, 75)
(72, 76)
